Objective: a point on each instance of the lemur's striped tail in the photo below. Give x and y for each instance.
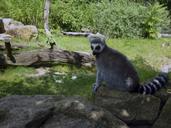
(157, 83)
(154, 85)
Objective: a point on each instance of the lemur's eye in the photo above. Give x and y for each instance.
(92, 47)
(98, 48)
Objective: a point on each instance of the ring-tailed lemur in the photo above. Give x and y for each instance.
(117, 72)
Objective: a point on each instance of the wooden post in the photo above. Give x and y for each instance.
(8, 49)
(46, 17)
(2, 29)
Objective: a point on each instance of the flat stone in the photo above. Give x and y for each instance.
(164, 120)
(130, 108)
(25, 111)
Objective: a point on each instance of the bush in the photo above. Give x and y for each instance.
(26, 11)
(129, 19)
(156, 18)
(123, 18)
(71, 15)
(119, 19)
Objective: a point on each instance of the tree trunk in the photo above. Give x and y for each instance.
(46, 17)
(49, 36)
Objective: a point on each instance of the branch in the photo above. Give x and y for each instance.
(76, 33)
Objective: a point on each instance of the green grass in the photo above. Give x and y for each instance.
(16, 81)
(147, 56)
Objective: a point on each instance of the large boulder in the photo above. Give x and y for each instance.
(54, 112)
(17, 29)
(164, 120)
(8, 22)
(134, 109)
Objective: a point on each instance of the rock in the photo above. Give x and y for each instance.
(145, 126)
(3, 114)
(134, 109)
(54, 112)
(165, 117)
(26, 111)
(17, 29)
(8, 22)
(76, 113)
(163, 95)
(26, 32)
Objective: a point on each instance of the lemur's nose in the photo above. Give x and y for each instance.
(97, 48)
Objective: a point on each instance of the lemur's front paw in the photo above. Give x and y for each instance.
(95, 88)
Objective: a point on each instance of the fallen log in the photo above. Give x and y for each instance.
(48, 57)
(76, 33)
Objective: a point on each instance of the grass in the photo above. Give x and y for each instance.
(61, 80)
(147, 56)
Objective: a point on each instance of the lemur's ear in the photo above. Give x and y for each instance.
(102, 37)
(91, 37)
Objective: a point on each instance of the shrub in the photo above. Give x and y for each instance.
(119, 19)
(26, 11)
(71, 15)
(156, 18)
(115, 18)
(129, 19)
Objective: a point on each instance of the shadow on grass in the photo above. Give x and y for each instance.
(50, 84)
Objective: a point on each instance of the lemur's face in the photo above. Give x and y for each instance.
(97, 46)
(97, 42)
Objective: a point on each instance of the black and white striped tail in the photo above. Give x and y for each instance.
(155, 84)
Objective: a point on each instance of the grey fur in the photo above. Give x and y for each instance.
(113, 68)
(117, 72)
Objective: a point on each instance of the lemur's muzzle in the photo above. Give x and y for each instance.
(95, 49)
(95, 53)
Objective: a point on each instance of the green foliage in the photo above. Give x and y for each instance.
(26, 11)
(151, 1)
(156, 18)
(119, 19)
(3, 7)
(71, 15)
(115, 18)
(130, 19)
